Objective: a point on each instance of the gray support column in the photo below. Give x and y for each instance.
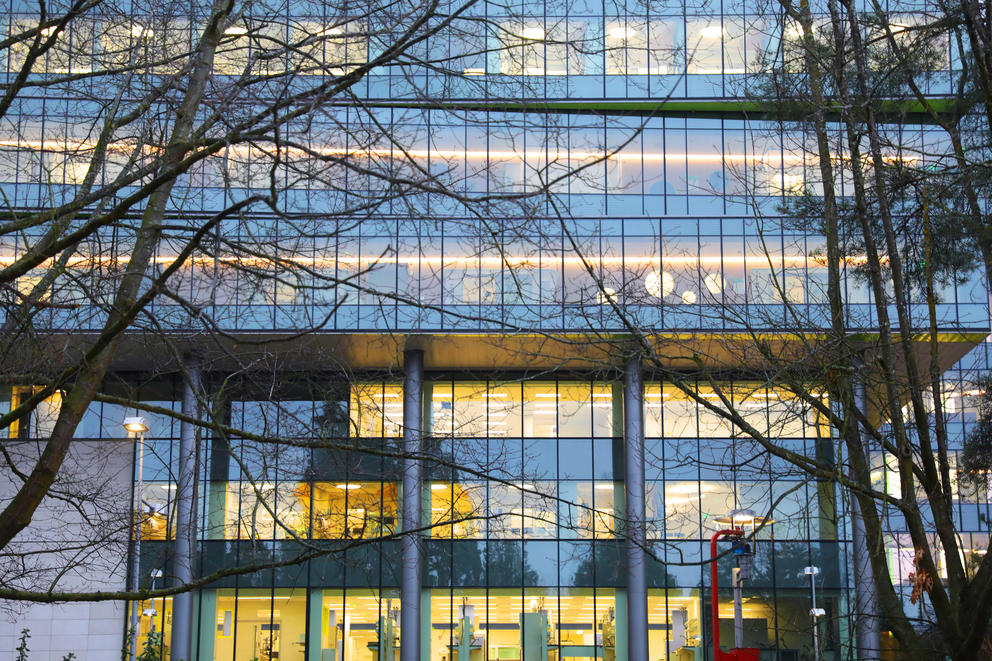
(637, 592)
(182, 568)
(412, 506)
(867, 621)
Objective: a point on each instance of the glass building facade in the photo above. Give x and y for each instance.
(572, 159)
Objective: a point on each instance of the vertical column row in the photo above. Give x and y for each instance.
(182, 603)
(634, 530)
(868, 631)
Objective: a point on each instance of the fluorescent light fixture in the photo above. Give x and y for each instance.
(532, 33)
(236, 31)
(347, 486)
(474, 72)
(711, 32)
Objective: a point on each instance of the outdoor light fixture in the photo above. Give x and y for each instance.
(743, 518)
(135, 425)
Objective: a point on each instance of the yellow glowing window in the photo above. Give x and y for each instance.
(376, 410)
(43, 416)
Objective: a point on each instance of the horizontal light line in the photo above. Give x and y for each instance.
(768, 158)
(761, 261)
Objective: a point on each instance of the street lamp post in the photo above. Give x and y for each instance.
(135, 427)
(814, 612)
(151, 612)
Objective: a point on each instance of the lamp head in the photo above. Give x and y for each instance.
(135, 425)
(740, 518)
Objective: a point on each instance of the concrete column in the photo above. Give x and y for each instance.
(182, 567)
(412, 506)
(866, 612)
(633, 433)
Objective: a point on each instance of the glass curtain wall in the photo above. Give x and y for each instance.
(525, 501)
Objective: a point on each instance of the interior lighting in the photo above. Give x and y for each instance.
(605, 486)
(348, 486)
(532, 33)
(660, 284)
(141, 32)
(711, 32)
(795, 31)
(688, 297)
(236, 31)
(438, 486)
(622, 33)
(713, 283)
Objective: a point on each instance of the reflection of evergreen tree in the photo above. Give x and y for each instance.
(506, 562)
(582, 557)
(602, 563)
(469, 567)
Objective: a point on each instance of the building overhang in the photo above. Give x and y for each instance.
(711, 351)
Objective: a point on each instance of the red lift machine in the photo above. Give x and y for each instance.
(738, 653)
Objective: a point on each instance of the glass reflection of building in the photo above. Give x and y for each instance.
(524, 551)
